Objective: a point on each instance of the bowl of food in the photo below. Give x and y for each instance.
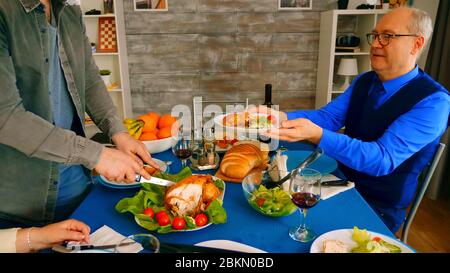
(274, 202)
(159, 145)
(155, 131)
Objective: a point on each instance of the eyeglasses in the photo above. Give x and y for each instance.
(384, 38)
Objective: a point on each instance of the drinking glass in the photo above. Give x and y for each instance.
(182, 149)
(305, 192)
(148, 242)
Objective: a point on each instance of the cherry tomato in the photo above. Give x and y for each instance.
(377, 239)
(178, 223)
(164, 220)
(161, 213)
(201, 219)
(260, 201)
(272, 119)
(149, 212)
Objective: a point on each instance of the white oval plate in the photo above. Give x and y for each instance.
(220, 197)
(218, 120)
(345, 236)
(230, 245)
(123, 185)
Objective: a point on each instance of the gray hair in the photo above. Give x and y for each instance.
(420, 23)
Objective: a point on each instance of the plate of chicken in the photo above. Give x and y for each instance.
(192, 203)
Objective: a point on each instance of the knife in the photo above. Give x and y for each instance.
(182, 248)
(66, 249)
(340, 182)
(154, 180)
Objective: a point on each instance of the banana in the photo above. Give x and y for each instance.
(138, 133)
(129, 121)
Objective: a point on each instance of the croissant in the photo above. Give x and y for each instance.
(241, 159)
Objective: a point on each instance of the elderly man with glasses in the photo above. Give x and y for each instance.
(394, 117)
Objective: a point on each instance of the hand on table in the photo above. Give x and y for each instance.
(297, 130)
(51, 235)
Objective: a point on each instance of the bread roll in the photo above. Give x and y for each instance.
(241, 159)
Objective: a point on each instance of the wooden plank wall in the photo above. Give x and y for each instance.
(222, 50)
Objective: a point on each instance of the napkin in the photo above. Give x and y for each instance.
(107, 236)
(328, 192)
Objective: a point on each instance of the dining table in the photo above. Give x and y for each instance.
(244, 224)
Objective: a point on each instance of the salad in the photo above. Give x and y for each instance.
(151, 210)
(273, 202)
(366, 244)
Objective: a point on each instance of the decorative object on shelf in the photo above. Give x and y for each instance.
(347, 40)
(107, 39)
(93, 12)
(106, 76)
(347, 67)
(362, 4)
(342, 4)
(386, 4)
(294, 4)
(108, 6)
(151, 5)
(93, 47)
(398, 3)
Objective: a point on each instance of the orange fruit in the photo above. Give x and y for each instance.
(148, 136)
(150, 123)
(166, 121)
(164, 132)
(154, 116)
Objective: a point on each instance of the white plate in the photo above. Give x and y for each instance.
(345, 236)
(218, 120)
(220, 197)
(230, 245)
(117, 185)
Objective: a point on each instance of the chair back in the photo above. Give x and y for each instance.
(427, 175)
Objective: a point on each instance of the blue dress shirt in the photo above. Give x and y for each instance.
(425, 122)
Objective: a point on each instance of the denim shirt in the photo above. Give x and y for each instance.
(31, 146)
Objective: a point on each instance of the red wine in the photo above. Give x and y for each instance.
(183, 153)
(304, 200)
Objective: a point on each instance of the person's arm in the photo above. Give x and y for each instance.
(8, 240)
(33, 239)
(404, 137)
(29, 133)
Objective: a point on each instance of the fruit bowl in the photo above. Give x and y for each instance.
(159, 145)
(275, 202)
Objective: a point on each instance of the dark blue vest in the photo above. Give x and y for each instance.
(365, 123)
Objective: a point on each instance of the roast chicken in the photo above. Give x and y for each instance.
(190, 196)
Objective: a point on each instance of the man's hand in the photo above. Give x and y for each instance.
(134, 148)
(115, 165)
(297, 130)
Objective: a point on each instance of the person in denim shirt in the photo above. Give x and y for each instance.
(49, 80)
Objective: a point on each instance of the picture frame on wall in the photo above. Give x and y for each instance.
(151, 5)
(294, 4)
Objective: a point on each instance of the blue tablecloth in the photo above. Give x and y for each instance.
(244, 224)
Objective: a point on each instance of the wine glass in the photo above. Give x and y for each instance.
(144, 243)
(305, 192)
(182, 149)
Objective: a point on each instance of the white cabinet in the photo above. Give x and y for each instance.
(334, 23)
(116, 62)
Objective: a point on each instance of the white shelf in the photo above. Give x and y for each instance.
(328, 63)
(352, 53)
(105, 54)
(116, 62)
(99, 16)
